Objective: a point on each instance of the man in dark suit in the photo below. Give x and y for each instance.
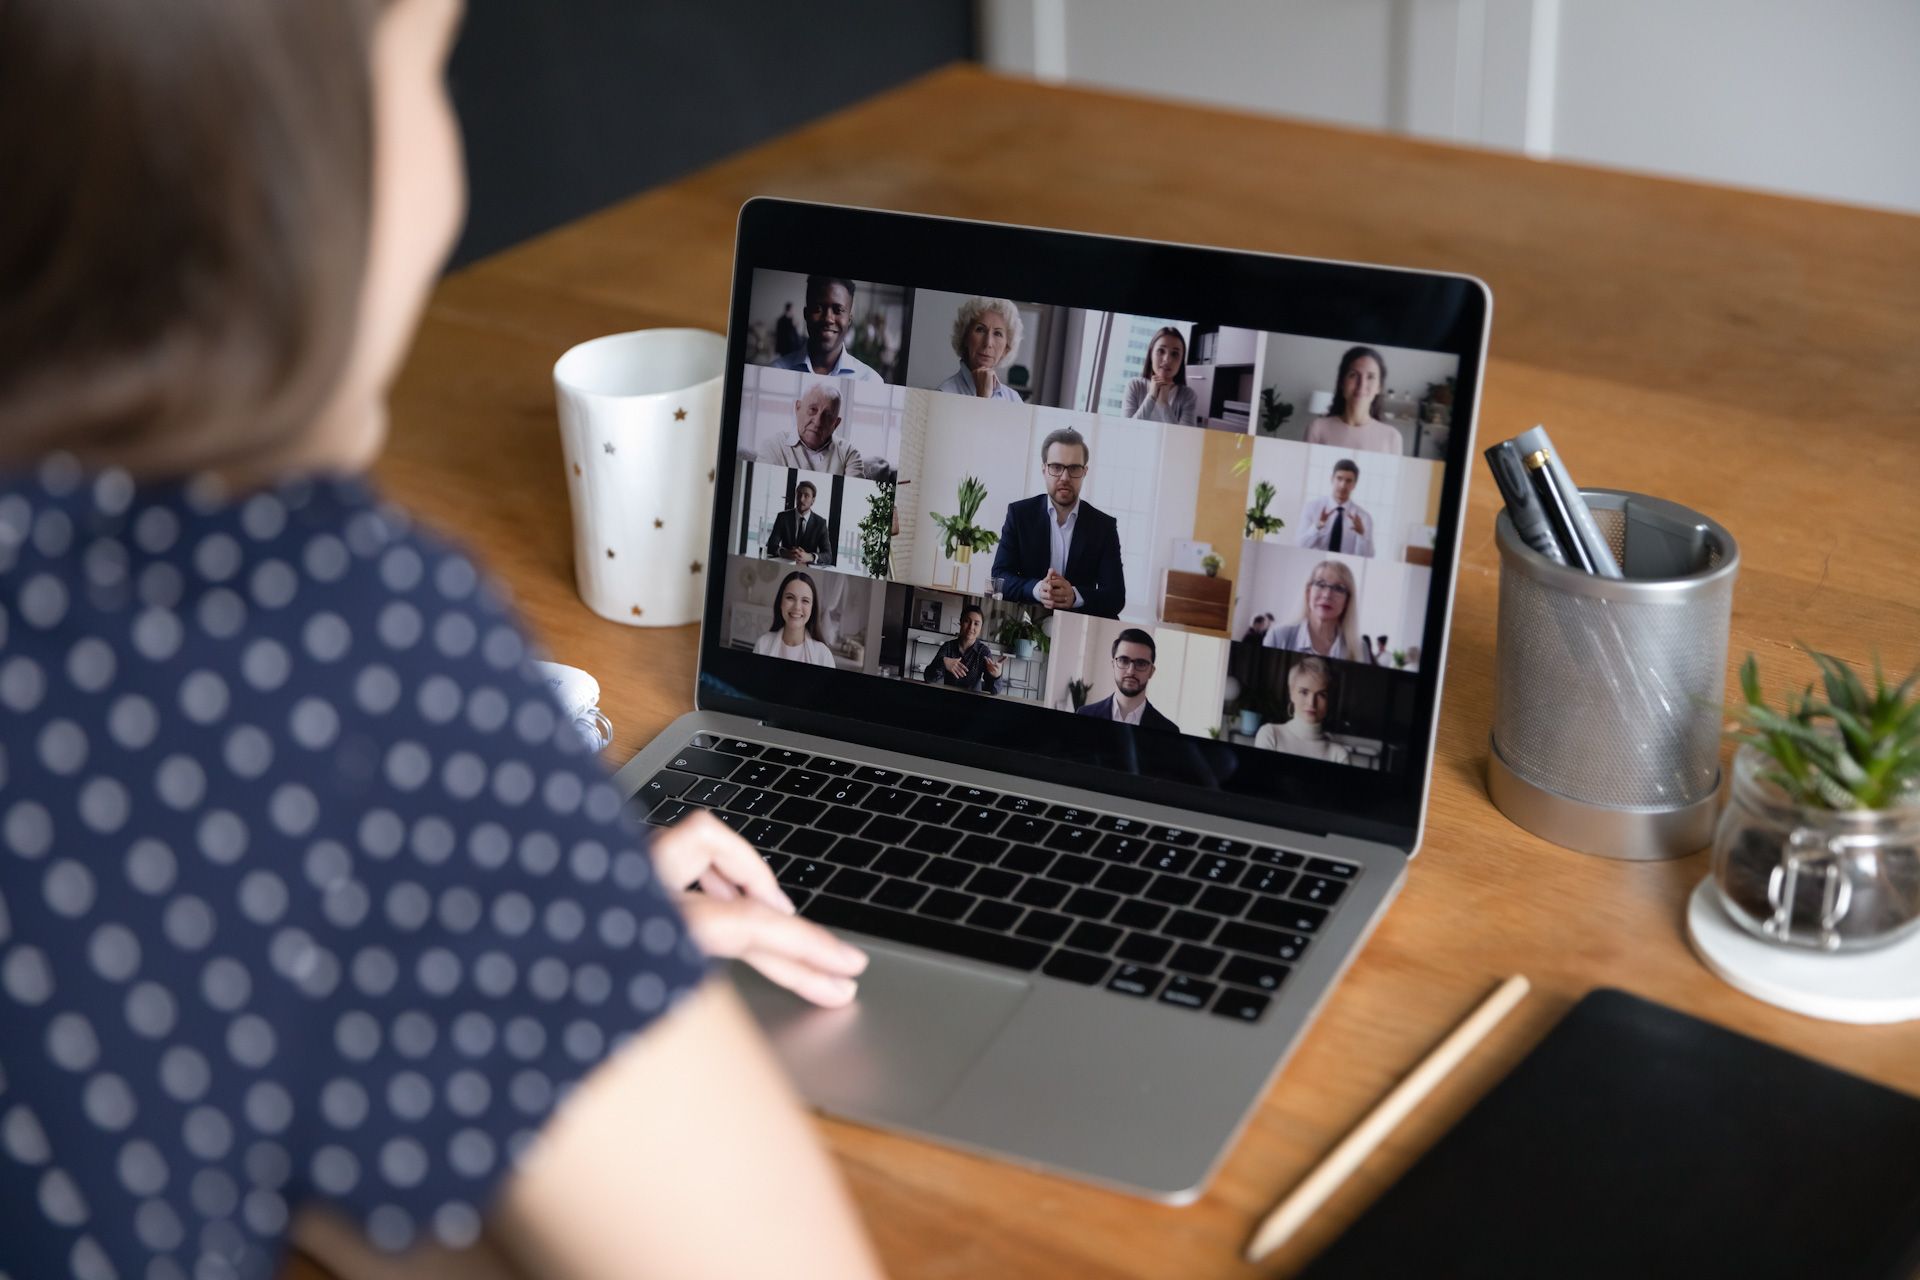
(1056, 550)
(799, 535)
(1133, 654)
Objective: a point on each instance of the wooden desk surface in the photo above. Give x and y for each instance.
(1755, 357)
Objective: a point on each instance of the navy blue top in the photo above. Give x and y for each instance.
(308, 891)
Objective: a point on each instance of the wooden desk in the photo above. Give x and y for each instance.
(1750, 356)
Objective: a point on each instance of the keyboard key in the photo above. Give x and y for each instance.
(1282, 914)
(1245, 971)
(1073, 816)
(1075, 870)
(1074, 967)
(794, 809)
(1217, 870)
(1098, 938)
(849, 883)
(995, 915)
(1090, 903)
(1328, 867)
(1123, 826)
(945, 904)
(1243, 1005)
(764, 833)
(930, 809)
(829, 765)
(925, 786)
(1042, 893)
(1025, 859)
(708, 764)
(946, 872)
(1319, 889)
(1140, 915)
(1125, 881)
(854, 853)
(801, 782)
(887, 830)
(888, 800)
(1073, 839)
(1144, 948)
(900, 862)
(991, 882)
(980, 849)
(756, 803)
(1188, 993)
(1190, 925)
(1026, 830)
(1223, 846)
(664, 785)
(844, 821)
(799, 898)
(1271, 943)
(671, 812)
(878, 777)
(735, 821)
(809, 842)
(776, 862)
(1185, 959)
(978, 818)
(1164, 858)
(975, 796)
(738, 747)
(1044, 925)
(901, 894)
(805, 873)
(1277, 857)
(955, 939)
(840, 791)
(756, 773)
(705, 741)
(1023, 804)
(932, 839)
(785, 756)
(1173, 835)
(1173, 889)
(1222, 902)
(1262, 879)
(1136, 980)
(1117, 848)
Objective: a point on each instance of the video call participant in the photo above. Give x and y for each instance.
(786, 334)
(811, 446)
(795, 633)
(799, 535)
(965, 662)
(1336, 522)
(1257, 628)
(1056, 550)
(1310, 689)
(1133, 654)
(1350, 423)
(829, 317)
(1329, 618)
(986, 334)
(1161, 393)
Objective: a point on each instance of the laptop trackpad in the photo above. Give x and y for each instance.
(898, 1051)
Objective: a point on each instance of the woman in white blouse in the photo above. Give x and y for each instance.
(1349, 422)
(795, 633)
(1329, 622)
(1161, 393)
(986, 334)
(1304, 731)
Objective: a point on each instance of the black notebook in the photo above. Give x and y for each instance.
(1636, 1141)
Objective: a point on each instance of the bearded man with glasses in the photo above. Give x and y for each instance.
(1133, 655)
(1055, 550)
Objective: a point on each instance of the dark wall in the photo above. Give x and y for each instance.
(569, 105)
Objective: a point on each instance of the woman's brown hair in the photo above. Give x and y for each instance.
(188, 193)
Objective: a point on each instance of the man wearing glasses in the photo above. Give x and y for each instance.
(1133, 655)
(1056, 550)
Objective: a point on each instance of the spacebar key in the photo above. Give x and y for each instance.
(939, 935)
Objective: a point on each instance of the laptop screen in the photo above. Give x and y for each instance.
(1186, 545)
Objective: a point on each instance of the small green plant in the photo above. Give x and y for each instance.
(1077, 691)
(959, 530)
(1399, 657)
(1211, 563)
(1274, 411)
(876, 533)
(1850, 750)
(1018, 626)
(1259, 523)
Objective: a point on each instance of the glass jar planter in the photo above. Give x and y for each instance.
(1824, 879)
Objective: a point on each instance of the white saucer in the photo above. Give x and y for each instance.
(1867, 987)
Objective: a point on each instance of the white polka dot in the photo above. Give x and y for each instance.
(488, 709)
(114, 952)
(326, 637)
(294, 809)
(409, 1096)
(325, 558)
(513, 783)
(382, 833)
(389, 1227)
(658, 935)
(268, 1165)
(68, 888)
(62, 747)
(408, 765)
(150, 1010)
(268, 1107)
(494, 974)
(564, 920)
(583, 1041)
(563, 791)
(603, 803)
(221, 613)
(530, 1092)
(88, 1261)
(468, 1093)
(512, 913)
(161, 586)
(180, 782)
(375, 971)
(108, 1102)
(327, 864)
(413, 1034)
(437, 971)
(401, 569)
(343, 1104)
(150, 866)
(471, 1153)
(314, 724)
(158, 1226)
(43, 601)
(455, 1225)
(222, 836)
(104, 805)
(399, 625)
(265, 665)
(16, 518)
(335, 1171)
(367, 533)
(460, 910)
(90, 664)
(157, 634)
(184, 1074)
(248, 752)
(132, 722)
(589, 861)
(263, 517)
(503, 648)
(22, 684)
(225, 984)
(474, 1035)
(106, 566)
(617, 927)
(60, 1199)
(23, 1138)
(142, 1169)
(454, 577)
(250, 1041)
(188, 923)
(489, 846)
(647, 993)
(408, 906)
(28, 829)
(207, 1133)
(535, 721)
(213, 1194)
(217, 558)
(71, 1042)
(319, 978)
(464, 775)
(548, 979)
(592, 984)
(346, 904)
(377, 689)
(438, 700)
(264, 1213)
(155, 530)
(203, 697)
(26, 976)
(273, 584)
(53, 533)
(454, 635)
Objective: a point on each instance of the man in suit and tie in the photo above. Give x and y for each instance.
(1133, 654)
(1056, 550)
(1335, 522)
(799, 535)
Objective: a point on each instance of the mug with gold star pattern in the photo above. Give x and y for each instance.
(640, 436)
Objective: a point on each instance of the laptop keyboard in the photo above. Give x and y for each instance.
(1151, 912)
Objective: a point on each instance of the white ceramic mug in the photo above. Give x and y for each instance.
(640, 436)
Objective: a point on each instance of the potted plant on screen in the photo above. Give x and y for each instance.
(1274, 411)
(1210, 563)
(876, 533)
(1819, 845)
(1259, 523)
(960, 536)
(1021, 634)
(1077, 691)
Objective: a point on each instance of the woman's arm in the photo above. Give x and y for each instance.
(1136, 398)
(1189, 407)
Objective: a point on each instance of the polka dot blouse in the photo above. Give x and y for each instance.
(307, 892)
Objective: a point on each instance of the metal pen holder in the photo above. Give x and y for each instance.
(1608, 691)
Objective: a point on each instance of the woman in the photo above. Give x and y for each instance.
(1304, 731)
(795, 631)
(986, 334)
(1161, 393)
(1349, 422)
(1328, 624)
(313, 908)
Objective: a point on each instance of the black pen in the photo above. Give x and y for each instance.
(1522, 507)
(1556, 510)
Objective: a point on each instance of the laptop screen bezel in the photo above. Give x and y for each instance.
(1362, 304)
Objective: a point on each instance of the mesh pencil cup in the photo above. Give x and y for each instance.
(1608, 691)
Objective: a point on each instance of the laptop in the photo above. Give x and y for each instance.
(1072, 643)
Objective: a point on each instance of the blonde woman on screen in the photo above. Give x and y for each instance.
(1329, 617)
(1310, 688)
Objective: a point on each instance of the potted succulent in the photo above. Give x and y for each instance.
(876, 533)
(1259, 523)
(1022, 634)
(960, 536)
(1400, 658)
(1211, 564)
(1274, 411)
(1819, 845)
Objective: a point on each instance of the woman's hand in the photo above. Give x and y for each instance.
(742, 913)
(985, 382)
(1162, 388)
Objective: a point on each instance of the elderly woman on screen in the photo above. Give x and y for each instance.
(1329, 622)
(986, 334)
(1310, 689)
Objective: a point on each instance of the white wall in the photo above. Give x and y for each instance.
(1780, 95)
